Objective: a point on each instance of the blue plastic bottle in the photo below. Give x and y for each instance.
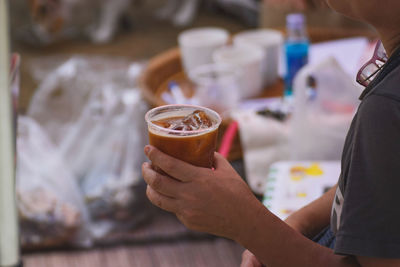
(296, 49)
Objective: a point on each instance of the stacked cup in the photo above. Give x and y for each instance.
(224, 74)
(270, 41)
(198, 45)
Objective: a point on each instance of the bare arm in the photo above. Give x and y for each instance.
(219, 202)
(309, 221)
(275, 243)
(312, 219)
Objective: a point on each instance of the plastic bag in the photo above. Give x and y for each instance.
(264, 141)
(325, 101)
(93, 110)
(104, 150)
(51, 208)
(65, 87)
(113, 188)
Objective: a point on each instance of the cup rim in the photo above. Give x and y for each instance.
(254, 54)
(275, 37)
(195, 74)
(223, 36)
(185, 132)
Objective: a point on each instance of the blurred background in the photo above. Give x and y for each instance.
(90, 70)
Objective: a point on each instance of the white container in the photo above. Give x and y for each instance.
(198, 45)
(271, 42)
(248, 58)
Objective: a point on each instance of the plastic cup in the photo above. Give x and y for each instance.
(248, 59)
(214, 82)
(196, 147)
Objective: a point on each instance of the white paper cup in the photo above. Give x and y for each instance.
(198, 45)
(248, 58)
(271, 42)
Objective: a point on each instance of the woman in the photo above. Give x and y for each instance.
(358, 218)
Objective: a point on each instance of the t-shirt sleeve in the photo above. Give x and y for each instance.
(370, 218)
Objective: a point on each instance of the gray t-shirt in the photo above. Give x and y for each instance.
(366, 209)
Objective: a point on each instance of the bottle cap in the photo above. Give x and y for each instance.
(295, 21)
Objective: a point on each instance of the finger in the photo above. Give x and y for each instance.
(163, 184)
(161, 201)
(246, 254)
(246, 262)
(245, 259)
(176, 168)
(220, 162)
(249, 260)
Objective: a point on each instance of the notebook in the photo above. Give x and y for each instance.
(294, 184)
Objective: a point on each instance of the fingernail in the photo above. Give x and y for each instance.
(146, 150)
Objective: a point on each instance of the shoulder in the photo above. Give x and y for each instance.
(380, 107)
(378, 123)
(389, 86)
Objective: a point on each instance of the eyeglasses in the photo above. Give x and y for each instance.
(370, 69)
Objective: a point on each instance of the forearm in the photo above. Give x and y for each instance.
(313, 218)
(274, 243)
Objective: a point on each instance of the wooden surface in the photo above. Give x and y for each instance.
(216, 253)
(162, 242)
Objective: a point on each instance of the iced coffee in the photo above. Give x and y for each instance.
(186, 132)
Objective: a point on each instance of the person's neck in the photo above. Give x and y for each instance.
(390, 40)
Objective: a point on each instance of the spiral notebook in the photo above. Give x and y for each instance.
(294, 184)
